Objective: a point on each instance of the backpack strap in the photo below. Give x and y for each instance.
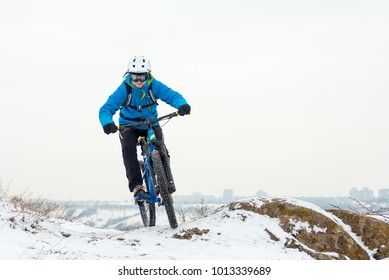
(151, 94)
(127, 103)
(129, 94)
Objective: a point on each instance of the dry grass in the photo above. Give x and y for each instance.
(202, 210)
(27, 202)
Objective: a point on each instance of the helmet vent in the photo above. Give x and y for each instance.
(139, 64)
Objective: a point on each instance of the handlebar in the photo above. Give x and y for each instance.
(148, 122)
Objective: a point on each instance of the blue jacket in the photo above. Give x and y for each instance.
(140, 97)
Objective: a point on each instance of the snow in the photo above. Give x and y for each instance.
(224, 235)
(26, 235)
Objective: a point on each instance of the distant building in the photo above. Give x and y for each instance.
(365, 194)
(383, 194)
(228, 195)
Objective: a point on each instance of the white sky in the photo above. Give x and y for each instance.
(289, 97)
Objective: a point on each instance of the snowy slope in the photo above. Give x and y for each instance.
(225, 234)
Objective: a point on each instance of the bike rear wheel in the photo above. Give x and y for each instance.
(147, 212)
(146, 209)
(163, 186)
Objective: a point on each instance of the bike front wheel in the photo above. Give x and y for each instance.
(163, 186)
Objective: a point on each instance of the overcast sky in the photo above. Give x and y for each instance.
(288, 97)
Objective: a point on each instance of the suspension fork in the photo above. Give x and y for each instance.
(149, 175)
(166, 163)
(161, 148)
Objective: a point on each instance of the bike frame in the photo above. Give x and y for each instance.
(148, 145)
(147, 148)
(156, 173)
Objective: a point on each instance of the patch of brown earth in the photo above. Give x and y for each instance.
(373, 232)
(323, 235)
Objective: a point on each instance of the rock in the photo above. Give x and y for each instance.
(319, 233)
(373, 232)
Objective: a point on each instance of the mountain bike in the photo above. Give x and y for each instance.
(156, 174)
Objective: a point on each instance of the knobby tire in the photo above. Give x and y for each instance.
(147, 212)
(163, 186)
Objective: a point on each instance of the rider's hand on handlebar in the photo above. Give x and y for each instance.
(184, 110)
(110, 128)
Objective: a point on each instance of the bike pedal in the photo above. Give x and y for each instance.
(140, 197)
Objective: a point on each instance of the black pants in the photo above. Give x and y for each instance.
(128, 139)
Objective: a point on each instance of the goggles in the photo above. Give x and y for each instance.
(139, 77)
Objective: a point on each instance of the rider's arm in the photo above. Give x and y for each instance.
(112, 105)
(168, 95)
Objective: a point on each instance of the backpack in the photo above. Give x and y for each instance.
(127, 103)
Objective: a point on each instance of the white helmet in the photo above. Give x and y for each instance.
(139, 64)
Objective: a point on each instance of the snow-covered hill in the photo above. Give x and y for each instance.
(247, 229)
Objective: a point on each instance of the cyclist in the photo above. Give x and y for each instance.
(136, 98)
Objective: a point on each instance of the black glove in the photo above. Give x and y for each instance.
(110, 128)
(184, 110)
